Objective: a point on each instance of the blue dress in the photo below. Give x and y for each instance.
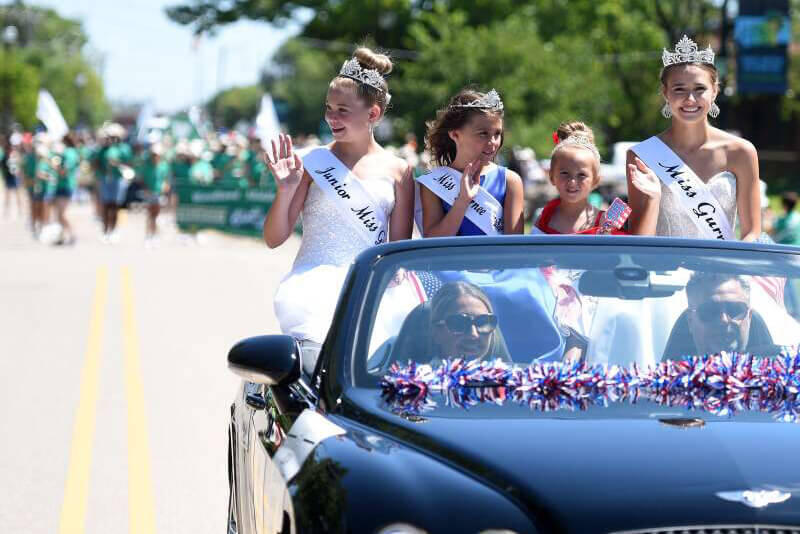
(495, 183)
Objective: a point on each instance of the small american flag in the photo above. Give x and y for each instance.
(615, 217)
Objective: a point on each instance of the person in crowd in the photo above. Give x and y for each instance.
(464, 140)
(154, 173)
(65, 186)
(8, 169)
(113, 186)
(575, 173)
(693, 180)
(352, 194)
(201, 171)
(463, 325)
(787, 227)
(44, 185)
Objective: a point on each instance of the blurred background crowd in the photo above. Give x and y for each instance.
(551, 60)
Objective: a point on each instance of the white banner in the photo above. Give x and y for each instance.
(347, 192)
(700, 204)
(47, 111)
(484, 210)
(267, 125)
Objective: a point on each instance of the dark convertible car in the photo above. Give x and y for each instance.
(532, 384)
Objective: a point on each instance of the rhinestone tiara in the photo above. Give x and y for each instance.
(352, 69)
(578, 140)
(490, 100)
(686, 52)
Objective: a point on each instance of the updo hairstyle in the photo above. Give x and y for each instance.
(368, 59)
(452, 117)
(569, 128)
(711, 69)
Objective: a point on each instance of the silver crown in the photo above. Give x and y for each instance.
(686, 52)
(490, 100)
(578, 140)
(352, 69)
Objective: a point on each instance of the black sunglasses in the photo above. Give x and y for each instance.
(461, 323)
(711, 311)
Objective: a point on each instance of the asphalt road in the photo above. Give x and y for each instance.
(115, 394)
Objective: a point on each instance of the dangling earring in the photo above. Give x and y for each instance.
(665, 111)
(713, 112)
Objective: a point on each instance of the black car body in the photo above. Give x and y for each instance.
(326, 453)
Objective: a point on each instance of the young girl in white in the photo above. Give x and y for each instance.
(693, 180)
(464, 140)
(352, 194)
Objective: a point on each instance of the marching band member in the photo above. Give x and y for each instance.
(692, 180)
(464, 140)
(352, 194)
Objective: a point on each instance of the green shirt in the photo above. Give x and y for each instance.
(70, 164)
(787, 229)
(154, 175)
(46, 177)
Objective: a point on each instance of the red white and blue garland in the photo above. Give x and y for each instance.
(722, 384)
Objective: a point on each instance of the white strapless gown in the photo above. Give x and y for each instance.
(673, 221)
(306, 298)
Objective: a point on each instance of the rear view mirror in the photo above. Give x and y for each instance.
(271, 360)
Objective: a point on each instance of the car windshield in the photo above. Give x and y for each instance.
(579, 307)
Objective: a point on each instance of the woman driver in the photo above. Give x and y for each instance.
(463, 324)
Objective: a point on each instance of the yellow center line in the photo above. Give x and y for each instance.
(76, 490)
(141, 508)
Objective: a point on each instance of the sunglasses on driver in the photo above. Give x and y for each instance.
(712, 311)
(461, 323)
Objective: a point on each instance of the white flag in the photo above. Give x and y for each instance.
(146, 113)
(267, 125)
(47, 111)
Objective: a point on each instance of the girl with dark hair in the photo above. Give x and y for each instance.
(352, 194)
(464, 140)
(693, 179)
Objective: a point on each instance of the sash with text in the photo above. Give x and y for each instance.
(347, 192)
(700, 204)
(484, 210)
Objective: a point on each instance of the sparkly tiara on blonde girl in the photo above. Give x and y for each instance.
(578, 140)
(686, 52)
(352, 69)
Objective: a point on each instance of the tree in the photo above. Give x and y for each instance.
(230, 106)
(48, 53)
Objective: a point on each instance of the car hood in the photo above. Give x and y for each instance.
(628, 467)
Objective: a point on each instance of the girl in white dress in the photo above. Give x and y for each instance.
(725, 163)
(306, 299)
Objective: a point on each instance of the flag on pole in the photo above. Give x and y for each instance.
(47, 111)
(146, 113)
(267, 125)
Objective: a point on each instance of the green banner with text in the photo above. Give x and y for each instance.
(228, 209)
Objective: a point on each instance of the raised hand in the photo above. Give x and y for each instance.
(470, 182)
(286, 166)
(644, 179)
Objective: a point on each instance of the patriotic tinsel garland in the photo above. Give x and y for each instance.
(721, 384)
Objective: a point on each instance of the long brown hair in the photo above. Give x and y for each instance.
(453, 117)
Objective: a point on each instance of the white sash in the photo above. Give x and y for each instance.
(347, 192)
(700, 204)
(484, 210)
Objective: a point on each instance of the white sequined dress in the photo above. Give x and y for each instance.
(673, 221)
(306, 298)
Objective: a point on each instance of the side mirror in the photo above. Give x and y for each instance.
(270, 360)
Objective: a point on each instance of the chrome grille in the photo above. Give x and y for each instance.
(717, 529)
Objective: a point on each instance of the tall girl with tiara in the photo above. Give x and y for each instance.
(351, 194)
(575, 173)
(468, 194)
(693, 180)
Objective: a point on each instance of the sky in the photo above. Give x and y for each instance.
(147, 57)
